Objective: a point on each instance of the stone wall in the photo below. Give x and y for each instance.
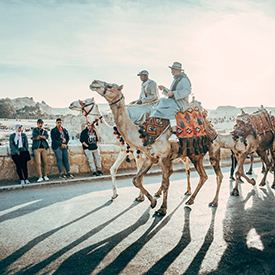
(77, 159)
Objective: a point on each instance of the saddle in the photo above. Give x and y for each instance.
(257, 124)
(193, 130)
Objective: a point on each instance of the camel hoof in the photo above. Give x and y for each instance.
(273, 186)
(213, 204)
(249, 172)
(161, 212)
(187, 193)
(154, 203)
(189, 202)
(263, 171)
(114, 197)
(253, 182)
(139, 198)
(234, 192)
(157, 195)
(262, 183)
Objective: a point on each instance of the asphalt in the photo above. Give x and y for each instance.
(6, 185)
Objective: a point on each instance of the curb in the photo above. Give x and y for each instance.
(107, 177)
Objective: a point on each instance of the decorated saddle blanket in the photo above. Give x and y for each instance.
(191, 123)
(152, 128)
(257, 124)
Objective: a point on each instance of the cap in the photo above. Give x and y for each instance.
(143, 72)
(40, 120)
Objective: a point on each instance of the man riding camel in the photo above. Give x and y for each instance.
(177, 99)
(140, 109)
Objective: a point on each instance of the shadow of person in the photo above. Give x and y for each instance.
(86, 260)
(195, 265)
(36, 268)
(237, 257)
(163, 264)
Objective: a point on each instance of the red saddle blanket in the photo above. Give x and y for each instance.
(257, 124)
(191, 123)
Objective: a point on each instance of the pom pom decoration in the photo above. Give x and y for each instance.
(118, 137)
(128, 146)
(128, 159)
(138, 151)
(115, 132)
(115, 128)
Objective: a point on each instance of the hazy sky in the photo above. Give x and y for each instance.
(52, 50)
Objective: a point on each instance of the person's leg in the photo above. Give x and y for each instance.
(65, 156)
(97, 157)
(173, 124)
(24, 164)
(90, 158)
(45, 161)
(37, 157)
(16, 161)
(58, 155)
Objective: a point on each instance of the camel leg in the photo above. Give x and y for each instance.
(137, 180)
(240, 173)
(215, 162)
(166, 165)
(249, 172)
(139, 162)
(113, 171)
(264, 158)
(273, 158)
(187, 171)
(203, 177)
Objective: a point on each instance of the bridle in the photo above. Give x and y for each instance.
(84, 111)
(110, 89)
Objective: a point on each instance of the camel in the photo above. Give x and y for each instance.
(242, 148)
(161, 151)
(89, 108)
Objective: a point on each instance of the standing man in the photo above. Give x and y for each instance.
(89, 140)
(177, 97)
(60, 139)
(40, 148)
(140, 109)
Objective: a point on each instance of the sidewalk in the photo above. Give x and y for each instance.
(84, 177)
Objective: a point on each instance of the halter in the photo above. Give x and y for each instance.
(84, 112)
(106, 88)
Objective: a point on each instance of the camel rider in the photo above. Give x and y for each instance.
(140, 109)
(177, 100)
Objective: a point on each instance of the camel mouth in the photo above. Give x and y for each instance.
(94, 85)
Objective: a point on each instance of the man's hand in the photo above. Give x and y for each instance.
(139, 102)
(63, 146)
(85, 144)
(42, 137)
(170, 94)
(162, 88)
(131, 103)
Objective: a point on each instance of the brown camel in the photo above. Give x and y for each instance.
(161, 151)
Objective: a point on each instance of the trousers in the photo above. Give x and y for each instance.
(21, 166)
(37, 156)
(94, 159)
(62, 157)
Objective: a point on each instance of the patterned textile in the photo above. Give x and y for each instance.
(190, 123)
(152, 128)
(257, 124)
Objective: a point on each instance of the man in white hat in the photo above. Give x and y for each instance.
(177, 97)
(140, 109)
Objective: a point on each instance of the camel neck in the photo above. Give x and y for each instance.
(226, 141)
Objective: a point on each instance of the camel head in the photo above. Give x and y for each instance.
(87, 107)
(110, 91)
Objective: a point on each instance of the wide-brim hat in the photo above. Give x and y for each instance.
(143, 72)
(176, 65)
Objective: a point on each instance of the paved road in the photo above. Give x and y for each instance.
(76, 229)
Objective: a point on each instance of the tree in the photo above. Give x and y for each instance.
(6, 108)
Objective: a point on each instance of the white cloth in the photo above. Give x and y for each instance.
(149, 92)
(18, 137)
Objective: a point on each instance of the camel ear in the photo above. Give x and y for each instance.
(120, 87)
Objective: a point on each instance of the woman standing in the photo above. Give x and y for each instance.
(19, 150)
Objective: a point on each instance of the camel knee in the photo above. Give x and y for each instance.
(136, 181)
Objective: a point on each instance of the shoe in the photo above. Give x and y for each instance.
(22, 182)
(70, 176)
(99, 173)
(173, 137)
(27, 181)
(94, 174)
(63, 177)
(232, 178)
(40, 179)
(46, 178)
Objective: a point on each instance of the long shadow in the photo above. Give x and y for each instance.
(45, 195)
(239, 258)
(163, 264)
(195, 265)
(130, 252)
(86, 260)
(4, 264)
